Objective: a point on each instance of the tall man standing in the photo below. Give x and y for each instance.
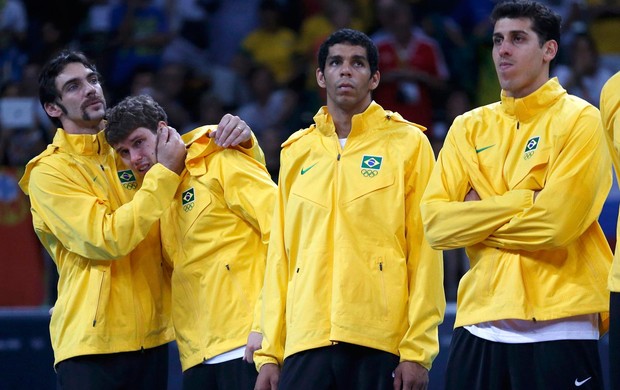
(353, 293)
(520, 184)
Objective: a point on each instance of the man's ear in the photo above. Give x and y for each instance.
(53, 110)
(374, 80)
(320, 78)
(550, 50)
(161, 124)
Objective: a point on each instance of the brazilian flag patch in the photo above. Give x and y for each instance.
(187, 199)
(371, 165)
(127, 178)
(530, 147)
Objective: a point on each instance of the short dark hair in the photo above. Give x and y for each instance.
(545, 23)
(50, 71)
(352, 37)
(131, 113)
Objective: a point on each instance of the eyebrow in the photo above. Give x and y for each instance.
(511, 32)
(353, 57)
(75, 79)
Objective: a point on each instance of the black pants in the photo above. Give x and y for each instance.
(478, 364)
(231, 375)
(341, 366)
(614, 341)
(144, 370)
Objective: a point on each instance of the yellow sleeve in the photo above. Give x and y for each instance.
(252, 149)
(449, 222)
(85, 224)
(424, 266)
(580, 177)
(274, 292)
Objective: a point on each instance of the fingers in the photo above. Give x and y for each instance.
(248, 356)
(231, 131)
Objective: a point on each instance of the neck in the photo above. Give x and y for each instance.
(83, 127)
(343, 117)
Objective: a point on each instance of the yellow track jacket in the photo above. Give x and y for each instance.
(610, 112)
(537, 260)
(216, 235)
(113, 293)
(347, 259)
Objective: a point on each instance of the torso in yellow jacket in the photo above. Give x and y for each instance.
(216, 235)
(113, 293)
(539, 259)
(610, 112)
(347, 259)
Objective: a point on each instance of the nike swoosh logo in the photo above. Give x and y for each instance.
(578, 383)
(485, 148)
(304, 170)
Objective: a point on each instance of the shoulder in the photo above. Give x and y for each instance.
(299, 136)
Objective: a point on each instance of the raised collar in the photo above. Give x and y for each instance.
(527, 107)
(81, 144)
(199, 145)
(364, 121)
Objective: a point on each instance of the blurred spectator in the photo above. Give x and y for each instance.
(271, 106)
(271, 44)
(21, 137)
(413, 69)
(170, 89)
(329, 16)
(604, 25)
(142, 81)
(95, 33)
(583, 75)
(141, 31)
(271, 113)
(13, 29)
(50, 42)
(230, 21)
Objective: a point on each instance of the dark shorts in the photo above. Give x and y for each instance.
(231, 375)
(141, 370)
(478, 364)
(340, 366)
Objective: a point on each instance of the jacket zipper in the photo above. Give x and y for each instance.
(98, 298)
(383, 289)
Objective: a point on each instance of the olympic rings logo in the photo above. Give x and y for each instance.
(369, 172)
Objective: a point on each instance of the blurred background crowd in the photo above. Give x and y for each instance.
(257, 58)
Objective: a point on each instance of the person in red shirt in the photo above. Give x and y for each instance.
(412, 65)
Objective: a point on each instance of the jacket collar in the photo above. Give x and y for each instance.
(527, 107)
(199, 145)
(82, 144)
(362, 122)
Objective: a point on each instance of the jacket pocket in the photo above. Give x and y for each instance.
(363, 289)
(368, 186)
(99, 287)
(531, 173)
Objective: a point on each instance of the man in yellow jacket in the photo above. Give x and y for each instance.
(99, 222)
(215, 235)
(610, 112)
(520, 184)
(353, 293)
